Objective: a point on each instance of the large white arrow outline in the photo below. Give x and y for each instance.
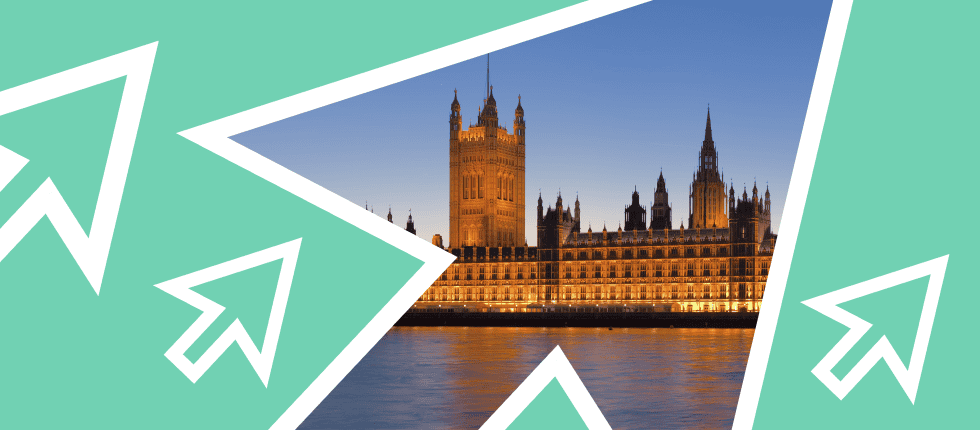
(907, 377)
(90, 252)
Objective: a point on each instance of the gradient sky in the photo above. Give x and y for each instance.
(608, 103)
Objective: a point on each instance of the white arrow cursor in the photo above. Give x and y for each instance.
(181, 289)
(908, 378)
(91, 251)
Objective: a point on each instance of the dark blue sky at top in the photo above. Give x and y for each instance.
(608, 103)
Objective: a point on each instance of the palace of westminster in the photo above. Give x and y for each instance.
(719, 263)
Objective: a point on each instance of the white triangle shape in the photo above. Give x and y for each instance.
(554, 366)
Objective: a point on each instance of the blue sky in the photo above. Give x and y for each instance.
(607, 103)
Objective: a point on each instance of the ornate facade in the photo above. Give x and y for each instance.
(707, 192)
(718, 264)
(486, 179)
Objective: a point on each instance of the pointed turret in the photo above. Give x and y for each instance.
(519, 126)
(488, 117)
(731, 201)
(410, 225)
(767, 201)
(708, 168)
(492, 101)
(660, 213)
(540, 207)
(635, 213)
(707, 131)
(455, 120)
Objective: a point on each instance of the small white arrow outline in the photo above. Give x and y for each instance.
(261, 360)
(908, 377)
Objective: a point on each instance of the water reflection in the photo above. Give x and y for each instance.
(455, 377)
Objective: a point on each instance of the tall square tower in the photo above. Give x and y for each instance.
(707, 204)
(486, 178)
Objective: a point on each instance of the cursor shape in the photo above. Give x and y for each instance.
(261, 360)
(908, 377)
(90, 251)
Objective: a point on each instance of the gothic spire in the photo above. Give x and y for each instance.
(488, 115)
(707, 131)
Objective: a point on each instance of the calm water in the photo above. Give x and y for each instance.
(455, 377)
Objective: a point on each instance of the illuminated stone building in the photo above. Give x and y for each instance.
(707, 192)
(719, 263)
(486, 179)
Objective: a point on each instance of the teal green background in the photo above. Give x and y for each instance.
(551, 409)
(891, 188)
(99, 359)
(74, 359)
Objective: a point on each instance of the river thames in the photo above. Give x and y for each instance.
(456, 377)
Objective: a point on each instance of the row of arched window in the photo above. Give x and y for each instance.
(505, 188)
(473, 186)
(585, 292)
